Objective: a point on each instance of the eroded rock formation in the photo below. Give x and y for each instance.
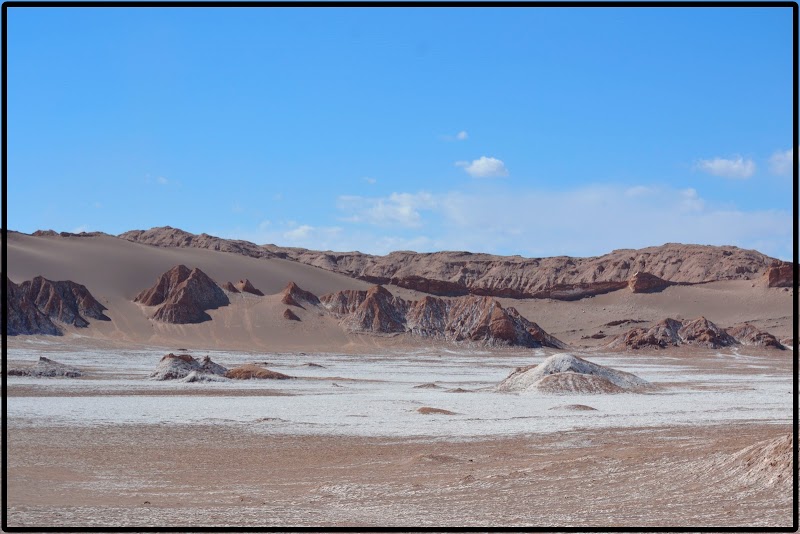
(646, 283)
(293, 295)
(34, 305)
(697, 332)
(183, 296)
(747, 334)
(468, 318)
(244, 286)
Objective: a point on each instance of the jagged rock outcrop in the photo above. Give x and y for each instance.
(183, 296)
(343, 302)
(290, 315)
(470, 318)
(244, 286)
(780, 274)
(661, 335)
(460, 273)
(63, 301)
(23, 317)
(697, 332)
(703, 332)
(293, 295)
(565, 373)
(747, 334)
(46, 367)
(646, 283)
(228, 286)
(180, 366)
(33, 305)
(379, 312)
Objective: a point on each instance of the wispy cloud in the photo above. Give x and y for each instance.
(781, 162)
(370, 181)
(536, 223)
(484, 167)
(736, 167)
(460, 136)
(397, 209)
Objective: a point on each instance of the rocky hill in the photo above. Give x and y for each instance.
(469, 318)
(698, 332)
(182, 296)
(34, 306)
(462, 273)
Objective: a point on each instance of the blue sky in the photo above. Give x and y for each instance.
(531, 131)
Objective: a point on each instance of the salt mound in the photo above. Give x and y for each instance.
(196, 376)
(565, 373)
(46, 367)
(180, 366)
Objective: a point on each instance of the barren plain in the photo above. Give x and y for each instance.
(378, 429)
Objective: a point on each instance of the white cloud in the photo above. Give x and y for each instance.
(781, 162)
(484, 167)
(736, 167)
(370, 181)
(460, 136)
(397, 209)
(162, 181)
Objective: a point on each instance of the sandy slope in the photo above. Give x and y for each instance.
(115, 270)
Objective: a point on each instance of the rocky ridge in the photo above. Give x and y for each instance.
(462, 273)
(697, 332)
(469, 318)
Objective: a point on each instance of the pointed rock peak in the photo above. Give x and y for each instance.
(379, 291)
(245, 286)
(293, 295)
(228, 286)
(290, 315)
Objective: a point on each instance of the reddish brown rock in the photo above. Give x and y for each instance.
(380, 312)
(23, 317)
(245, 286)
(747, 334)
(780, 275)
(62, 301)
(249, 370)
(646, 283)
(228, 286)
(294, 296)
(343, 302)
(701, 331)
(290, 315)
(457, 273)
(661, 335)
(183, 296)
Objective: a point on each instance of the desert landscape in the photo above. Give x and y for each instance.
(164, 378)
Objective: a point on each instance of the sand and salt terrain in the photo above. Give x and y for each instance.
(386, 427)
